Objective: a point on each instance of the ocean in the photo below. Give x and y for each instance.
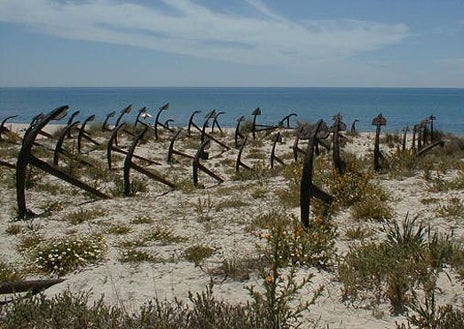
(401, 106)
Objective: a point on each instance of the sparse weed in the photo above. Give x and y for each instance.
(197, 253)
(454, 208)
(132, 255)
(83, 215)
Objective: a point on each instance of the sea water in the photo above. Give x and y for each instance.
(401, 106)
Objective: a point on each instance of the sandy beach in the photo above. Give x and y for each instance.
(219, 216)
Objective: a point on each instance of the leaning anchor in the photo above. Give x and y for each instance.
(26, 157)
(307, 188)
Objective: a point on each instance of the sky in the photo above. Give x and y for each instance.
(281, 43)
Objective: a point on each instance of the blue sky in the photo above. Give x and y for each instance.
(367, 43)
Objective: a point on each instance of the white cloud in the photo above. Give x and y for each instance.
(185, 27)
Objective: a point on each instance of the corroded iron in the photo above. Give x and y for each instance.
(336, 128)
(141, 114)
(353, 126)
(432, 118)
(192, 124)
(32, 286)
(70, 121)
(196, 165)
(123, 112)
(307, 188)
(274, 158)
(66, 131)
(378, 121)
(171, 151)
(285, 121)
(430, 147)
(105, 126)
(84, 134)
(238, 161)
(3, 129)
(112, 147)
(129, 164)
(157, 121)
(216, 122)
(25, 158)
(302, 132)
(238, 136)
(405, 134)
(205, 136)
(259, 127)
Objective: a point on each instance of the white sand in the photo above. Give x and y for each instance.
(224, 229)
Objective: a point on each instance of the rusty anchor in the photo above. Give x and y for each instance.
(158, 123)
(307, 188)
(258, 127)
(205, 136)
(301, 133)
(338, 126)
(84, 134)
(353, 126)
(123, 112)
(59, 145)
(238, 136)
(25, 157)
(238, 161)
(405, 133)
(196, 165)
(105, 126)
(3, 129)
(216, 122)
(70, 121)
(285, 122)
(378, 121)
(192, 124)
(110, 146)
(129, 164)
(171, 151)
(274, 158)
(32, 286)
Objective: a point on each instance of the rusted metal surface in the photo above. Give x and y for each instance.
(192, 124)
(353, 126)
(196, 165)
(238, 161)
(123, 112)
(285, 121)
(70, 121)
(274, 158)
(105, 126)
(112, 147)
(336, 128)
(129, 164)
(34, 286)
(141, 114)
(31, 286)
(307, 188)
(378, 121)
(157, 120)
(84, 134)
(3, 129)
(205, 136)
(430, 147)
(25, 158)
(259, 127)
(66, 131)
(405, 135)
(171, 151)
(216, 122)
(238, 136)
